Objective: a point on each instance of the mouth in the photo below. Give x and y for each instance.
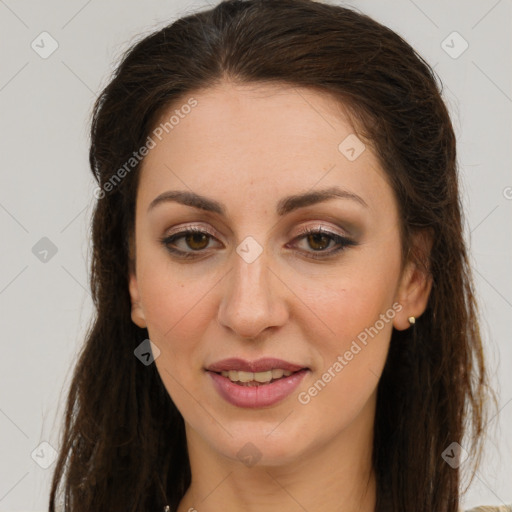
(260, 383)
(255, 379)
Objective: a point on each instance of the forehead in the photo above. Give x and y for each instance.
(258, 139)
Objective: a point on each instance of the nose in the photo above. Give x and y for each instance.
(253, 298)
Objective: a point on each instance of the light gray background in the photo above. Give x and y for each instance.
(47, 192)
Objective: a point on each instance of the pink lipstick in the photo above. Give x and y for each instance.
(255, 384)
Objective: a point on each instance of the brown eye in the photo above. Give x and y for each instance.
(318, 241)
(197, 241)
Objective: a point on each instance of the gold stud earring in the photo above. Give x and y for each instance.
(412, 320)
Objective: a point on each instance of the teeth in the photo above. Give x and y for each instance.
(277, 374)
(261, 377)
(232, 375)
(245, 376)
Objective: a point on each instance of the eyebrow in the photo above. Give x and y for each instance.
(284, 206)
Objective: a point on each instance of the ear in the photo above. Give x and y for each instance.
(416, 281)
(137, 315)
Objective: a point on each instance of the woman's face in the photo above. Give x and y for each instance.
(262, 164)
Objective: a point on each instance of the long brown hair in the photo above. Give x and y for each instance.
(123, 444)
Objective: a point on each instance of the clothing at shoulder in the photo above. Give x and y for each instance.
(482, 508)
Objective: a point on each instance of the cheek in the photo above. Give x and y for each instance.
(356, 320)
(352, 300)
(178, 311)
(351, 361)
(177, 317)
(173, 299)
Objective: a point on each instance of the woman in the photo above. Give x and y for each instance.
(285, 312)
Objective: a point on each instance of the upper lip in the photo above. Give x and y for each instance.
(260, 365)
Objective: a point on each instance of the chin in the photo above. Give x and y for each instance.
(261, 444)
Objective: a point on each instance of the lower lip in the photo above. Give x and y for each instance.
(254, 397)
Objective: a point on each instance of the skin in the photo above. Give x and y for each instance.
(247, 146)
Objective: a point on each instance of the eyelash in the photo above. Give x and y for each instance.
(342, 242)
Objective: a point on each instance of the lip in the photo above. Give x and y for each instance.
(254, 397)
(264, 395)
(260, 365)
